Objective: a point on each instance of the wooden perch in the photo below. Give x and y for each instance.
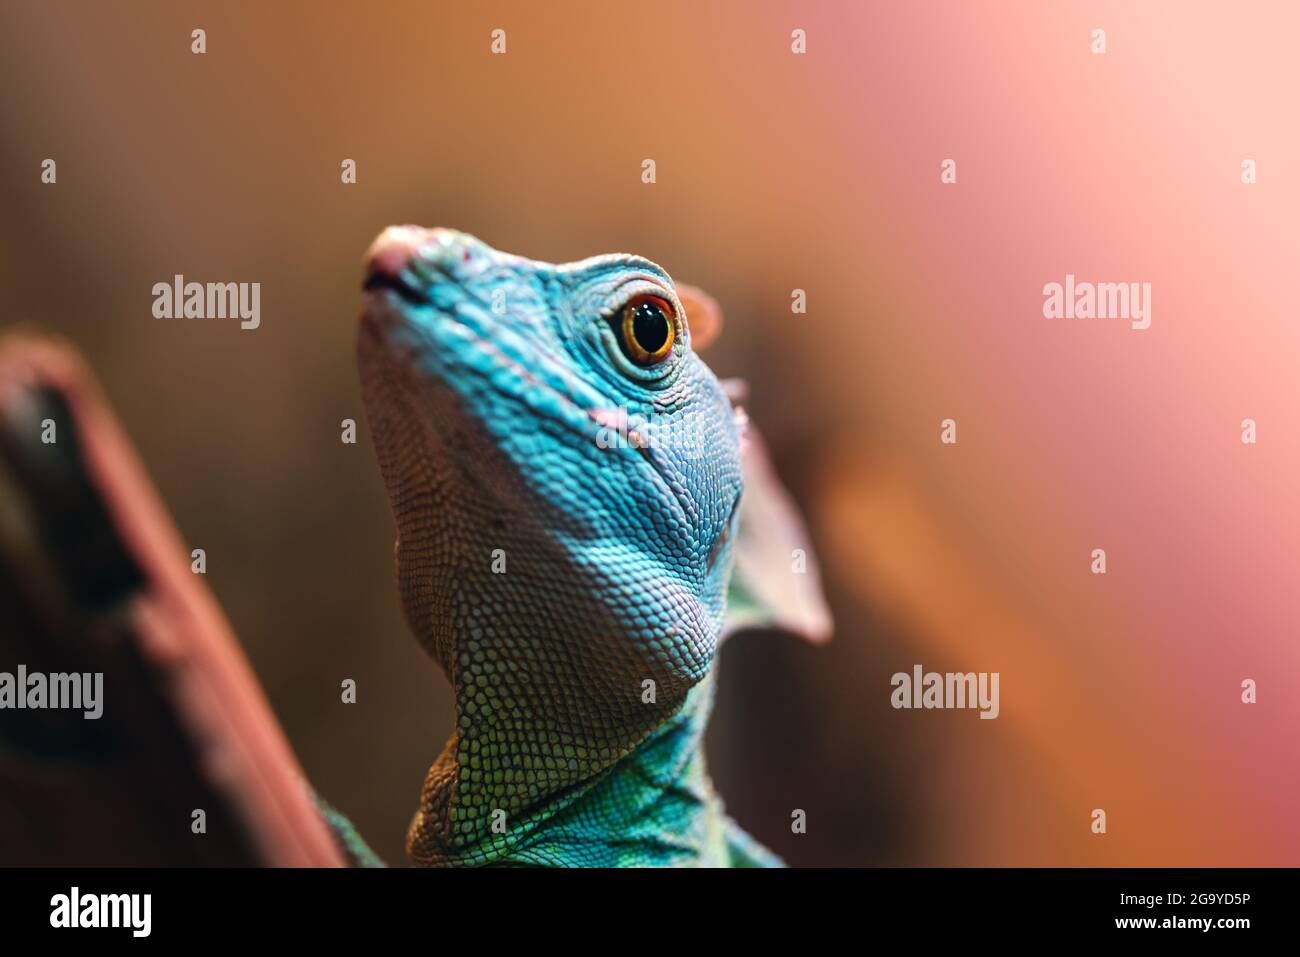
(94, 579)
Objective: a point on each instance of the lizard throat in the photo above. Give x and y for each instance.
(652, 806)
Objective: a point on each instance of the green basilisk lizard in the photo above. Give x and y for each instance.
(571, 486)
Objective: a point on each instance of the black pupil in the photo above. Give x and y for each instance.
(649, 326)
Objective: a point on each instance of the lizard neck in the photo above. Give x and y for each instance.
(651, 805)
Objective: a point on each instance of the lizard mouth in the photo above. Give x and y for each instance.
(379, 279)
(537, 386)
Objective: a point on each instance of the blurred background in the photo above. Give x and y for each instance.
(775, 172)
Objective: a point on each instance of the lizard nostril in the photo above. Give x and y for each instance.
(394, 248)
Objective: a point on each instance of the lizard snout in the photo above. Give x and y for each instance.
(393, 249)
(409, 259)
(387, 262)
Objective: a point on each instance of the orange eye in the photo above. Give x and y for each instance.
(646, 329)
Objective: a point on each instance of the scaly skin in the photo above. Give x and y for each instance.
(493, 386)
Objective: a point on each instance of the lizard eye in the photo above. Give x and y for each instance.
(645, 329)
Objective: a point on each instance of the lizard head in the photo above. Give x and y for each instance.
(564, 471)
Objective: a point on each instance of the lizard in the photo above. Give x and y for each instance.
(571, 486)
